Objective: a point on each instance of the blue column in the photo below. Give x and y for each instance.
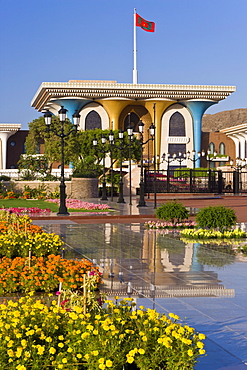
(72, 105)
(195, 266)
(197, 109)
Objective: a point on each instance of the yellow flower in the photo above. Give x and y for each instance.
(101, 360)
(202, 351)
(108, 363)
(41, 350)
(102, 366)
(130, 359)
(190, 352)
(141, 351)
(10, 352)
(201, 336)
(52, 350)
(21, 367)
(95, 353)
(64, 360)
(200, 345)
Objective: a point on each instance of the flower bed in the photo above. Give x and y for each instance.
(27, 210)
(21, 244)
(43, 274)
(169, 225)
(117, 338)
(19, 237)
(213, 234)
(80, 205)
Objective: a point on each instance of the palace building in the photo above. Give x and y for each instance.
(175, 110)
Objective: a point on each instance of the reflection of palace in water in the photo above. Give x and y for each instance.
(161, 271)
(146, 262)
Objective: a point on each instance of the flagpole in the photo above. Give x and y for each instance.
(135, 52)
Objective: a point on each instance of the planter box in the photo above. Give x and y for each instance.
(84, 188)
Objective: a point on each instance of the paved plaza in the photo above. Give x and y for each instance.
(202, 284)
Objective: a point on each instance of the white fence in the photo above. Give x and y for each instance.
(14, 174)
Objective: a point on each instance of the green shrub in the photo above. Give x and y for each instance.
(87, 168)
(197, 172)
(4, 178)
(172, 211)
(217, 217)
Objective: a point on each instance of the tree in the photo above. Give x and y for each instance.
(78, 148)
(85, 145)
(32, 167)
(39, 136)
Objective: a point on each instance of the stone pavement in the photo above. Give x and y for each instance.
(126, 213)
(206, 288)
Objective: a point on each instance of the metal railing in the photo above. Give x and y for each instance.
(196, 181)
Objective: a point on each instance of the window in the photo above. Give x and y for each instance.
(133, 120)
(177, 125)
(176, 148)
(211, 147)
(222, 149)
(93, 121)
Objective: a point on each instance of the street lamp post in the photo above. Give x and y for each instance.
(210, 157)
(154, 145)
(111, 140)
(194, 159)
(121, 147)
(168, 159)
(103, 141)
(61, 134)
(237, 175)
(180, 158)
(130, 136)
(142, 202)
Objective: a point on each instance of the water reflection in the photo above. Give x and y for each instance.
(146, 263)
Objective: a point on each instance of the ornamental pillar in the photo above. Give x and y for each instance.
(197, 109)
(6, 130)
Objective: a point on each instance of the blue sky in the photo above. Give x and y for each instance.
(195, 42)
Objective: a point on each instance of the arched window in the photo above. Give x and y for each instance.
(211, 147)
(133, 120)
(177, 125)
(222, 151)
(93, 121)
(222, 148)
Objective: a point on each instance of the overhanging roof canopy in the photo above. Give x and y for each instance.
(98, 90)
